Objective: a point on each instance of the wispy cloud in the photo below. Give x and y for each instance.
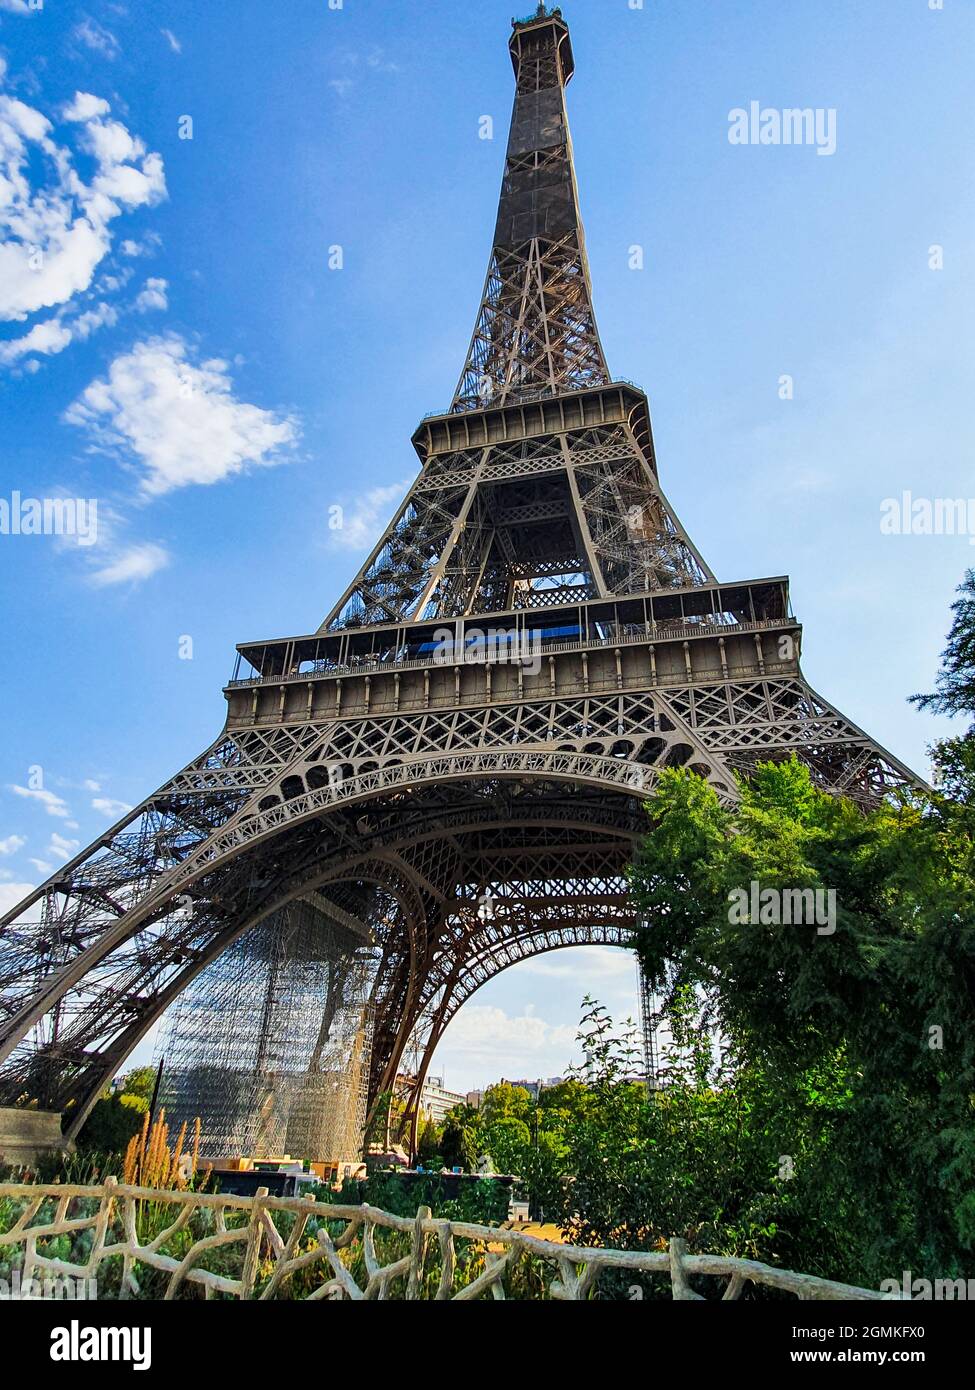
(362, 523)
(585, 964)
(61, 848)
(377, 60)
(172, 40)
(53, 805)
(132, 566)
(96, 37)
(53, 335)
(374, 61)
(12, 893)
(149, 244)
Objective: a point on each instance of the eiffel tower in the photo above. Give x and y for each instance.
(452, 767)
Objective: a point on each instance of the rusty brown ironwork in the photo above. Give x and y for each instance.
(456, 761)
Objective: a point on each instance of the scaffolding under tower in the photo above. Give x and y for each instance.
(270, 1046)
(653, 1028)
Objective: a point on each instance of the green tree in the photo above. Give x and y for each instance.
(860, 1041)
(505, 1102)
(140, 1081)
(954, 695)
(460, 1140)
(506, 1140)
(428, 1142)
(567, 1099)
(114, 1119)
(954, 692)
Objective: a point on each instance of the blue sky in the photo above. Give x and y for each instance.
(188, 358)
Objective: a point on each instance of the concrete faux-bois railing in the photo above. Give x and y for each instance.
(263, 1245)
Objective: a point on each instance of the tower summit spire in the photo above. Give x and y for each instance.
(536, 332)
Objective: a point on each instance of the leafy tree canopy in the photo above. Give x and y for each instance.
(873, 1018)
(954, 692)
(504, 1101)
(140, 1081)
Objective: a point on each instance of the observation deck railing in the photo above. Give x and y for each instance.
(635, 634)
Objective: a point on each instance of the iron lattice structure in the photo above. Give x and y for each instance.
(457, 758)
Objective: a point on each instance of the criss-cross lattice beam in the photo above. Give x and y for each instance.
(536, 331)
(458, 815)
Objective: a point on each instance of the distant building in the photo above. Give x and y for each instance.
(534, 1088)
(475, 1098)
(436, 1101)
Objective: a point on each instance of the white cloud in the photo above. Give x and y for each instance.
(108, 284)
(42, 866)
(172, 40)
(153, 295)
(48, 337)
(115, 559)
(102, 316)
(53, 805)
(362, 524)
(132, 566)
(180, 422)
(61, 848)
(96, 37)
(585, 965)
(17, 7)
(342, 85)
(12, 844)
(55, 227)
(487, 1039)
(535, 1033)
(89, 785)
(85, 107)
(12, 893)
(54, 335)
(107, 807)
(146, 247)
